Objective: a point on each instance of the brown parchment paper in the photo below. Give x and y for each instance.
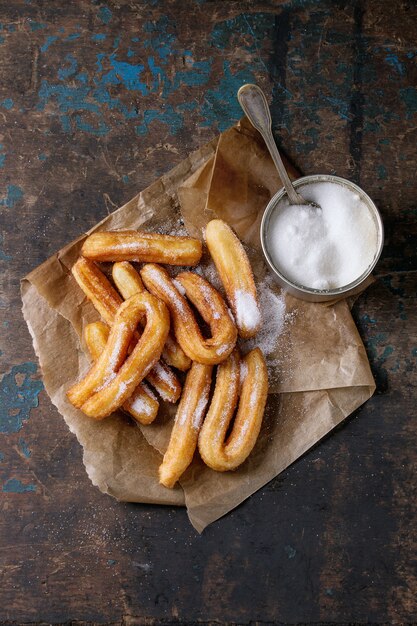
(320, 375)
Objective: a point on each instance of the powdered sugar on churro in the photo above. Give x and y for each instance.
(165, 285)
(247, 312)
(140, 405)
(179, 286)
(148, 391)
(199, 411)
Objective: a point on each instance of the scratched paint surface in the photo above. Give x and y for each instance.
(97, 100)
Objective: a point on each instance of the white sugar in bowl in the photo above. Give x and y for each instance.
(319, 254)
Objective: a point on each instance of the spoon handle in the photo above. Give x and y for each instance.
(253, 102)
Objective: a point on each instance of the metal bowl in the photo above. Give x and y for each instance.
(307, 293)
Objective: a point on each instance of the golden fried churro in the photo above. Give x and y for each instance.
(210, 305)
(188, 419)
(109, 389)
(223, 455)
(142, 404)
(97, 288)
(106, 300)
(134, 245)
(129, 282)
(236, 275)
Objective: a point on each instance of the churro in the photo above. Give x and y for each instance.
(236, 275)
(208, 302)
(135, 245)
(129, 282)
(106, 301)
(97, 288)
(142, 404)
(113, 377)
(188, 419)
(247, 378)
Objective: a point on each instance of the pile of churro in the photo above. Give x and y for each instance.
(156, 325)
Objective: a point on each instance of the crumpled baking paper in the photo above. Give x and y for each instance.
(319, 371)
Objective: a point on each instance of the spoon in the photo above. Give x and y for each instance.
(254, 104)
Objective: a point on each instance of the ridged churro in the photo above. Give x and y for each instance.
(135, 245)
(106, 301)
(97, 288)
(249, 380)
(113, 377)
(142, 404)
(210, 305)
(188, 419)
(129, 282)
(236, 275)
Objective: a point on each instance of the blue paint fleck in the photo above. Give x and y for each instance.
(3, 255)
(100, 130)
(36, 25)
(24, 448)
(2, 156)
(221, 106)
(105, 15)
(123, 73)
(329, 591)
(82, 77)
(14, 194)
(66, 72)
(2, 40)
(13, 485)
(340, 105)
(49, 40)
(394, 61)
(197, 75)
(382, 172)
(414, 351)
(18, 397)
(125, 178)
(168, 116)
(161, 40)
(116, 41)
(290, 552)
(42, 157)
(73, 36)
(388, 350)
(409, 97)
(1, 456)
(98, 37)
(366, 318)
(111, 562)
(7, 104)
(130, 53)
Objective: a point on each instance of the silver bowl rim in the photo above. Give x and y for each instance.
(330, 293)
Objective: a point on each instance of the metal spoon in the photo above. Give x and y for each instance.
(253, 102)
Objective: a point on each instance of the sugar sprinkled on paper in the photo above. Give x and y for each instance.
(275, 320)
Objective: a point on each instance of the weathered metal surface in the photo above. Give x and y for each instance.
(97, 100)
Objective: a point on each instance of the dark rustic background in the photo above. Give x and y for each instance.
(97, 100)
